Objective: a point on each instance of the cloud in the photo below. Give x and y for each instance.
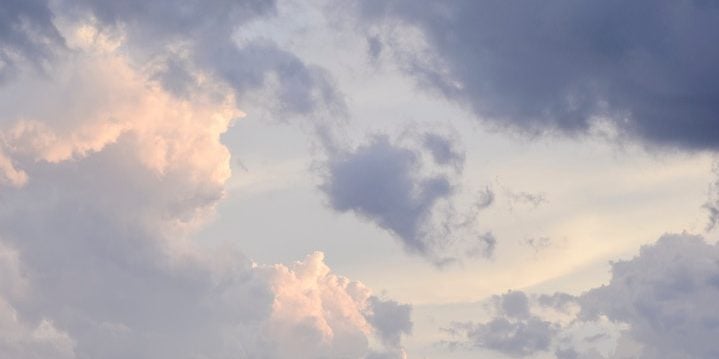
(382, 182)
(665, 295)
(391, 319)
(443, 150)
(406, 189)
(514, 331)
(174, 40)
(27, 36)
(657, 304)
(111, 174)
(647, 69)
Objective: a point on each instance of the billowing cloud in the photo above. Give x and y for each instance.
(174, 40)
(104, 180)
(647, 69)
(391, 319)
(406, 189)
(658, 304)
(27, 36)
(666, 296)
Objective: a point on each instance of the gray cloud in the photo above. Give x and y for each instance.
(666, 295)
(383, 182)
(443, 150)
(485, 246)
(659, 304)
(408, 190)
(712, 203)
(182, 39)
(109, 176)
(649, 68)
(513, 331)
(391, 319)
(27, 35)
(533, 200)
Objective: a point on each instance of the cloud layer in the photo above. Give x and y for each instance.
(103, 180)
(658, 304)
(646, 69)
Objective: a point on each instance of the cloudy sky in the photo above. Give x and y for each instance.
(359, 179)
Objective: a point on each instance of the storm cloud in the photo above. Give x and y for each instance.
(407, 189)
(648, 69)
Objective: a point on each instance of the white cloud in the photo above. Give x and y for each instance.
(110, 175)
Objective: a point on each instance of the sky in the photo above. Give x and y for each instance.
(359, 179)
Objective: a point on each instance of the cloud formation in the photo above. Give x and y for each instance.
(408, 190)
(647, 69)
(104, 179)
(657, 304)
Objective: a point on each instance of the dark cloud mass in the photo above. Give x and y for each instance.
(185, 36)
(381, 181)
(410, 190)
(649, 67)
(27, 34)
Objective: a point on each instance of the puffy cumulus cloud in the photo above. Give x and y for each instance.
(404, 188)
(666, 295)
(200, 35)
(647, 69)
(659, 304)
(111, 172)
(322, 315)
(175, 40)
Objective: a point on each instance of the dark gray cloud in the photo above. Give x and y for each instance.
(384, 183)
(648, 67)
(27, 35)
(204, 30)
(391, 320)
(443, 150)
(409, 189)
(515, 304)
(185, 37)
(514, 330)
